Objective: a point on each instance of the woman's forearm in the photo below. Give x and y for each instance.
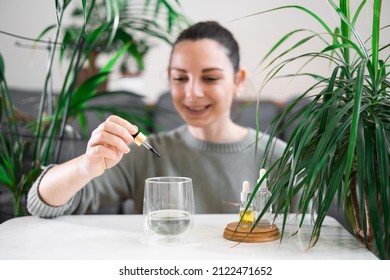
(63, 181)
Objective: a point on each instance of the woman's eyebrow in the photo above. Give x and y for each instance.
(212, 69)
(205, 70)
(177, 69)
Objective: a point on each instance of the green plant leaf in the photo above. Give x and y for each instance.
(307, 11)
(4, 178)
(372, 201)
(82, 119)
(382, 148)
(87, 89)
(355, 120)
(375, 37)
(43, 33)
(85, 13)
(280, 42)
(114, 59)
(2, 69)
(358, 11)
(349, 27)
(113, 18)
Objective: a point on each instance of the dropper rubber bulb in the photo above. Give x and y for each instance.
(261, 175)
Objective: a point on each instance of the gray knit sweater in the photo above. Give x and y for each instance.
(217, 171)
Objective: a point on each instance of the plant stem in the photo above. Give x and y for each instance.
(355, 207)
(369, 233)
(66, 109)
(17, 199)
(360, 234)
(37, 156)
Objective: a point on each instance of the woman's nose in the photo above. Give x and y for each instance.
(194, 89)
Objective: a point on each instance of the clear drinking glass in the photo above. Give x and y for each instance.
(168, 206)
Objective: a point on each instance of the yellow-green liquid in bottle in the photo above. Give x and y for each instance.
(246, 218)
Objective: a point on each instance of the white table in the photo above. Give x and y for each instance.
(119, 237)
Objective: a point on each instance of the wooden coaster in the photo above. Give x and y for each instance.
(259, 233)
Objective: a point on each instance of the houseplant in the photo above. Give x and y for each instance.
(139, 21)
(23, 157)
(340, 150)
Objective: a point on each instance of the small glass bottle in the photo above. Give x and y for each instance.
(262, 197)
(246, 217)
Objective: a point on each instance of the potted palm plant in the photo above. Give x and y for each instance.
(340, 149)
(23, 157)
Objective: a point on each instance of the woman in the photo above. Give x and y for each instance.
(204, 75)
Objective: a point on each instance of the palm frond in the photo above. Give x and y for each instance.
(340, 149)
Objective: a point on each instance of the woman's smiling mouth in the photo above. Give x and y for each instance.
(197, 109)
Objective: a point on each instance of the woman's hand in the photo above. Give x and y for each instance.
(109, 141)
(105, 149)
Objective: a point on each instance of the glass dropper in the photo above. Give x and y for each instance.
(140, 139)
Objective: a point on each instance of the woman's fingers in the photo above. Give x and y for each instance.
(101, 157)
(108, 153)
(108, 142)
(103, 138)
(120, 127)
(114, 131)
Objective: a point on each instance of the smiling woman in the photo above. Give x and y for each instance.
(204, 79)
(205, 75)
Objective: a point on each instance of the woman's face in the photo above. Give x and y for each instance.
(203, 82)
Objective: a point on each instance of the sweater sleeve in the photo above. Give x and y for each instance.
(37, 207)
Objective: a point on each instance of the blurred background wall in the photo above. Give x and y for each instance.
(26, 68)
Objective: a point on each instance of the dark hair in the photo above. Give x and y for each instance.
(214, 31)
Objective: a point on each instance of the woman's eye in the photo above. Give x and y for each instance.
(180, 79)
(210, 79)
